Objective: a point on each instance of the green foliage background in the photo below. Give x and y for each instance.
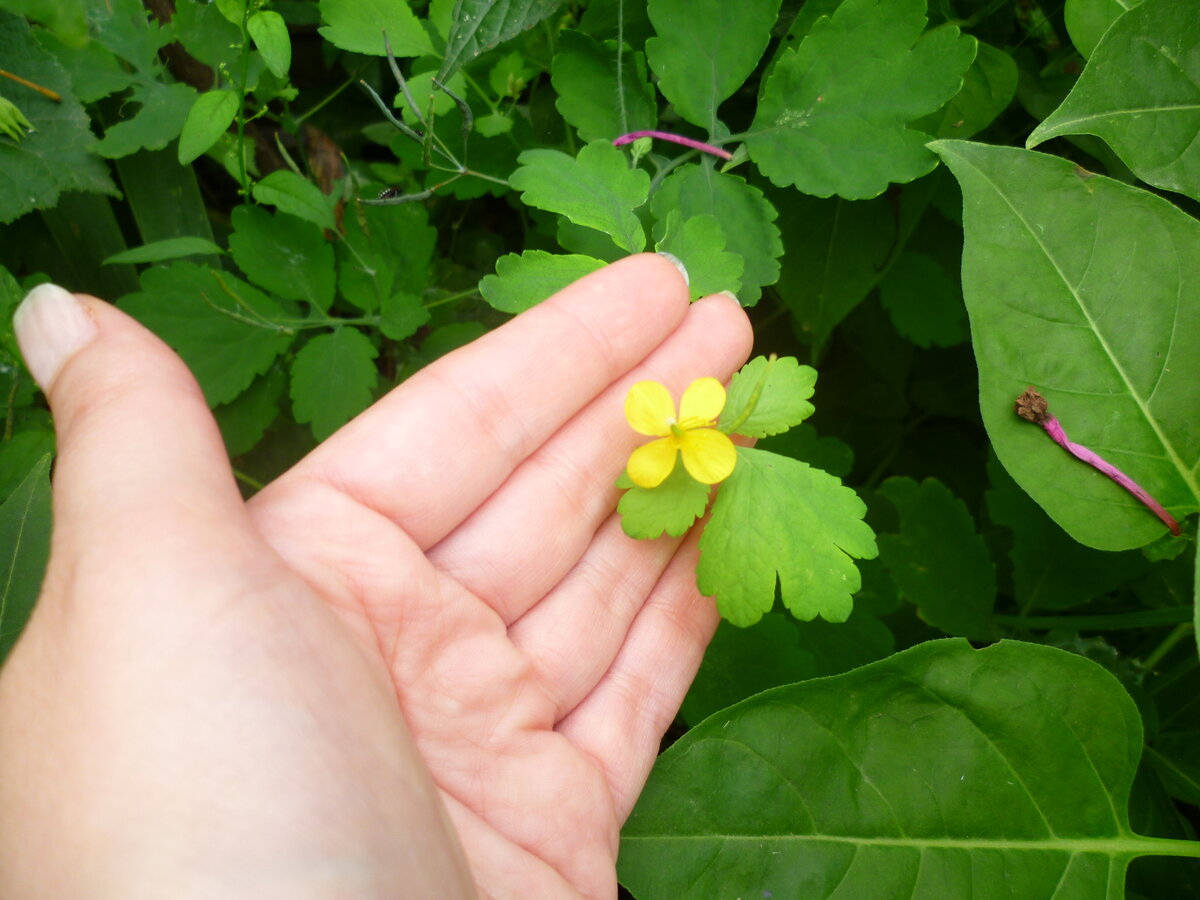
(215, 169)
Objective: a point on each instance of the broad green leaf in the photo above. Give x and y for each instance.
(20, 453)
(767, 396)
(387, 251)
(1111, 338)
(333, 380)
(1050, 570)
(358, 26)
(591, 97)
(1140, 93)
(207, 35)
(699, 243)
(671, 508)
(925, 304)
(479, 25)
(58, 155)
(1087, 20)
(838, 250)
(838, 647)
(744, 661)
(705, 49)
(244, 421)
(587, 241)
(510, 75)
(24, 550)
(493, 125)
(597, 189)
(160, 119)
(296, 195)
(833, 113)
(67, 19)
(525, 280)
(940, 772)
(429, 100)
(938, 560)
(160, 251)
(802, 442)
(777, 519)
(284, 255)
(989, 85)
(745, 215)
(94, 70)
(402, 315)
(210, 116)
(270, 35)
(224, 329)
(125, 28)
(234, 11)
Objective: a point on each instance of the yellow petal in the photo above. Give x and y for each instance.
(702, 402)
(650, 409)
(708, 455)
(649, 465)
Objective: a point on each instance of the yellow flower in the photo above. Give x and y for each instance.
(708, 454)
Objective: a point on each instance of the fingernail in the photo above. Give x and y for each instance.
(51, 325)
(731, 295)
(677, 263)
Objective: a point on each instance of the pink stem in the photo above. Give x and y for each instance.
(674, 138)
(1032, 407)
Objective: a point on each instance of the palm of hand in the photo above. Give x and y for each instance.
(537, 654)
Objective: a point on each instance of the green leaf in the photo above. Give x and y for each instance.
(284, 255)
(480, 25)
(160, 251)
(1140, 93)
(25, 539)
(938, 561)
(1050, 570)
(58, 156)
(207, 35)
(94, 70)
(358, 26)
(428, 98)
(296, 195)
(705, 49)
(942, 771)
(222, 327)
(833, 112)
(744, 214)
(777, 516)
(671, 508)
(333, 380)
(163, 113)
(494, 124)
(232, 10)
(208, 119)
(591, 97)
(699, 243)
(12, 121)
(767, 396)
(838, 251)
(989, 85)
(924, 302)
(597, 189)
(387, 251)
(20, 453)
(270, 35)
(244, 421)
(511, 73)
(802, 442)
(1087, 20)
(402, 315)
(525, 280)
(1111, 339)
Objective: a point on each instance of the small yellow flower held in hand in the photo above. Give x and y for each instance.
(708, 454)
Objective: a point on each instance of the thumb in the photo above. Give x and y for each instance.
(139, 454)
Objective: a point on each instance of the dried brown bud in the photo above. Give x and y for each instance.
(1032, 406)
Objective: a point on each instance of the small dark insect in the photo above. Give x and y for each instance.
(388, 193)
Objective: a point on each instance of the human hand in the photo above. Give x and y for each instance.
(235, 699)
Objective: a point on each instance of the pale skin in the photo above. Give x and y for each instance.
(425, 662)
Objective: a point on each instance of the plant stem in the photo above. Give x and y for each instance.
(44, 91)
(1032, 407)
(673, 138)
(1178, 633)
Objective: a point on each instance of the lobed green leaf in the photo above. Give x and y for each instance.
(358, 26)
(296, 195)
(525, 280)
(767, 396)
(591, 97)
(670, 508)
(333, 379)
(699, 243)
(284, 255)
(779, 519)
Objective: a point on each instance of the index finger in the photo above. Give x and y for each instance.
(438, 445)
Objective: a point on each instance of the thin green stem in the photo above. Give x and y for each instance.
(10, 405)
(1148, 618)
(461, 295)
(1178, 633)
(241, 118)
(248, 480)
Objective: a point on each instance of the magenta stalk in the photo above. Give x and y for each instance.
(674, 138)
(1032, 407)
